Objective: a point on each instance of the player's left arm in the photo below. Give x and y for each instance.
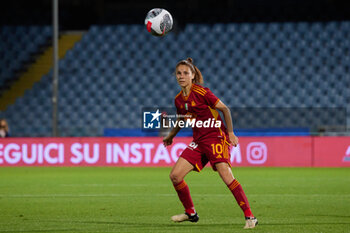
(228, 120)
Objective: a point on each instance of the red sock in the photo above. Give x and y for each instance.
(241, 198)
(185, 197)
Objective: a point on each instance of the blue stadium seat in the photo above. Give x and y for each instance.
(105, 77)
(19, 42)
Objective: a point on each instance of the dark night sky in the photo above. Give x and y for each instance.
(80, 14)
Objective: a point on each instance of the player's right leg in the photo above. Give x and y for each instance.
(177, 175)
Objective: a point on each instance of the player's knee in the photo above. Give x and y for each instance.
(175, 178)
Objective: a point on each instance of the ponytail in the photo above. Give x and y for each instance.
(198, 78)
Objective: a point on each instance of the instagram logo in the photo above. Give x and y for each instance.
(256, 153)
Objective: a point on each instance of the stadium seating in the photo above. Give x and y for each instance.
(18, 44)
(271, 74)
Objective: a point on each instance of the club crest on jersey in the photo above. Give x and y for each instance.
(193, 103)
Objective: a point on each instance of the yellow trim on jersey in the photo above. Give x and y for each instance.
(199, 92)
(217, 101)
(178, 94)
(198, 168)
(199, 87)
(215, 114)
(185, 98)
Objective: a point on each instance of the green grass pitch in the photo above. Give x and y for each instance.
(97, 199)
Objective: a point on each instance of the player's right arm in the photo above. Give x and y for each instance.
(168, 140)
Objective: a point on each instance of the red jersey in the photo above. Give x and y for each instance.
(200, 104)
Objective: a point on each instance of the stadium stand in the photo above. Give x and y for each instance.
(18, 44)
(293, 75)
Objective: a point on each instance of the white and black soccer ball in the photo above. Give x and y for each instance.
(159, 22)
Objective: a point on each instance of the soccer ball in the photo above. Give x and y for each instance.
(159, 22)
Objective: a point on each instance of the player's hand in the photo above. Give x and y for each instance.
(168, 140)
(233, 139)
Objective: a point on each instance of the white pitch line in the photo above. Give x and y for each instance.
(159, 195)
(115, 185)
(134, 185)
(77, 195)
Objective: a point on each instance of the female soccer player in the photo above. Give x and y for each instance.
(210, 144)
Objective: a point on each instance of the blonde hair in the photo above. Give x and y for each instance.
(198, 78)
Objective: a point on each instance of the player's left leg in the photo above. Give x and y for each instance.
(235, 187)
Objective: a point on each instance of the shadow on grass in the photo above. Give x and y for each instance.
(329, 215)
(307, 223)
(45, 230)
(160, 225)
(196, 225)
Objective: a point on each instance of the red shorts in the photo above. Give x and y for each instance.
(213, 150)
